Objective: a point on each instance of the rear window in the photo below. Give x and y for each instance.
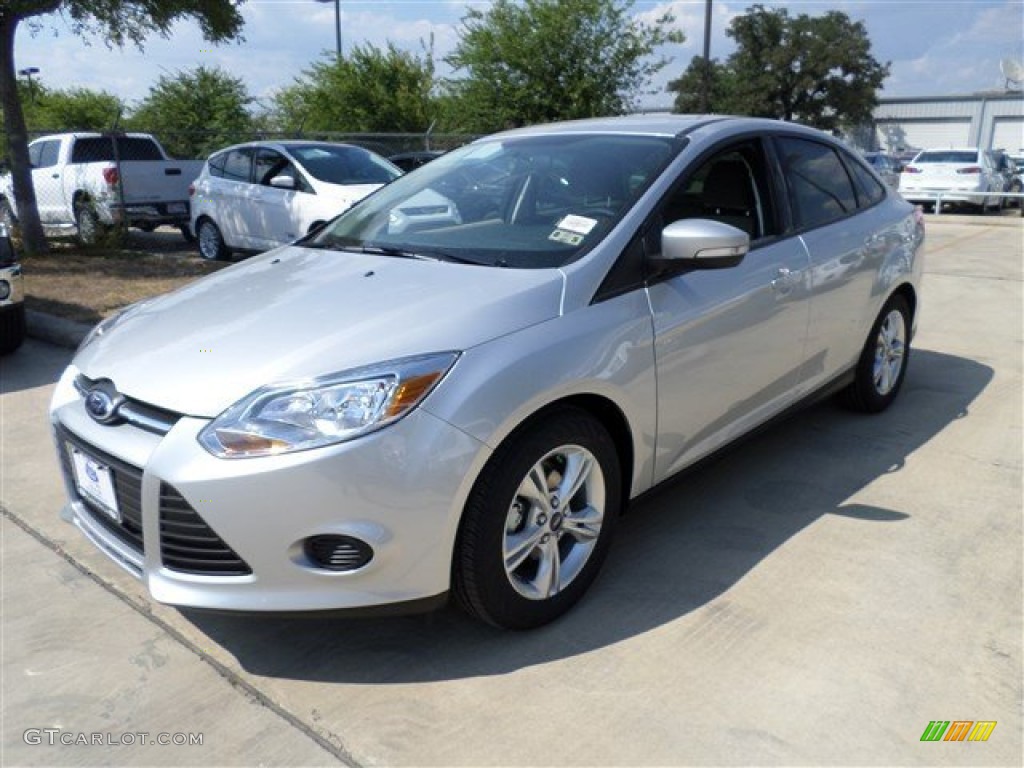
(946, 156)
(101, 149)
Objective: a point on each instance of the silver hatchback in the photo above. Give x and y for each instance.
(458, 384)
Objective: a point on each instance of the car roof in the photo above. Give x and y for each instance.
(285, 144)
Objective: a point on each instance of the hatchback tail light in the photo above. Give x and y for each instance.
(110, 175)
(970, 170)
(911, 169)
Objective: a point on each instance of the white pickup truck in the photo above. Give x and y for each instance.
(89, 181)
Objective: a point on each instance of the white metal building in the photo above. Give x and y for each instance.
(984, 120)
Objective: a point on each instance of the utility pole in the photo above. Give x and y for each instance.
(705, 94)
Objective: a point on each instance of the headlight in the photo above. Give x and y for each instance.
(332, 409)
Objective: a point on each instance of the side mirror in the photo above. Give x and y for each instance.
(284, 181)
(701, 244)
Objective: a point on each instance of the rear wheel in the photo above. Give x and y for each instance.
(883, 361)
(211, 242)
(90, 228)
(538, 522)
(12, 329)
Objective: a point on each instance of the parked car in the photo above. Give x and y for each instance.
(458, 384)
(89, 181)
(410, 161)
(888, 168)
(251, 197)
(1011, 173)
(959, 176)
(12, 296)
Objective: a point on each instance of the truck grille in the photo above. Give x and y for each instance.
(127, 488)
(189, 545)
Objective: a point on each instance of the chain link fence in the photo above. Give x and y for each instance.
(99, 185)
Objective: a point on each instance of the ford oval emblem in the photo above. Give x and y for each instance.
(100, 405)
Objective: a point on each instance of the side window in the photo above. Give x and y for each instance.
(49, 151)
(238, 165)
(34, 152)
(216, 164)
(732, 187)
(97, 149)
(869, 191)
(820, 190)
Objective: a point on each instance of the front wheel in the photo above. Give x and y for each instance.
(883, 361)
(538, 522)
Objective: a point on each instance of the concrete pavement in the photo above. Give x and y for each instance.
(816, 597)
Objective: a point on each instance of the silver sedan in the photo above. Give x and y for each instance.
(457, 385)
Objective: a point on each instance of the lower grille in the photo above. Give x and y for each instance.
(127, 489)
(189, 545)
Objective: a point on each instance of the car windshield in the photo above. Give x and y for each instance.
(529, 202)
(342, 164)
(946, 156)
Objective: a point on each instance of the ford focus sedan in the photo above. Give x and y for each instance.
(455, 387)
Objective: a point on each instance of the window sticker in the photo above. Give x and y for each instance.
(565, 236)
(578, 224)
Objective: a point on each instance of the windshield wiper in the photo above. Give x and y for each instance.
(426, 254)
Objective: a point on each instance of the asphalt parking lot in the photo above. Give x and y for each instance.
(816, 597)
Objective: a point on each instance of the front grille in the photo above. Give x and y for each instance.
(189, 545)
(127, 489)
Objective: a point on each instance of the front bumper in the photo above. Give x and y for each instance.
(401, 490)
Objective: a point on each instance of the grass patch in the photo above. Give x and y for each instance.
(88, 285)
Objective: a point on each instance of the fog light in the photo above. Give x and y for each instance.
(338, 553)
(5, 289)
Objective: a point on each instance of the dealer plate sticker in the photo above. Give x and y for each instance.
(96, 483)
(581, 225)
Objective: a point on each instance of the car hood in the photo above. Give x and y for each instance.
(349, 193)
(297, 313)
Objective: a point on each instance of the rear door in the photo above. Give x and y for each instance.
(729, 343)
(230, 180)
(54, 208)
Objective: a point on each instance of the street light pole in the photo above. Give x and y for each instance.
(705, 97)
(27, 73)
(337, 25)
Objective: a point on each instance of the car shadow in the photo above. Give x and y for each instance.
(676, 551)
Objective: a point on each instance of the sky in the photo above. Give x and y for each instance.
(936, 47)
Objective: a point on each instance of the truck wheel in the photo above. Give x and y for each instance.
(90, 228)
(6, 216)
(211, 242)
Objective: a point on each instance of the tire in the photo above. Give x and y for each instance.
(12, 329)
(7, 220)
(211, 242)
(883, 361)
(90, 228)
(186, 232)
(524, 554)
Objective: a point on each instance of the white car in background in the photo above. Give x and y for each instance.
(257, 196)
(958, 176)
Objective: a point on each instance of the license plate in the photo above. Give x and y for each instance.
(176, 208)
(95, 482)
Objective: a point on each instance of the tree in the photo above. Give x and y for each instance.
(689, 87)
(813, 70)
(196, 111)
(545, 60)
(118, 21)
(73, 109)
(370, 90)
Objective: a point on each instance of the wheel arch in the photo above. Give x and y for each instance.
(607, 413)
(908, 292)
